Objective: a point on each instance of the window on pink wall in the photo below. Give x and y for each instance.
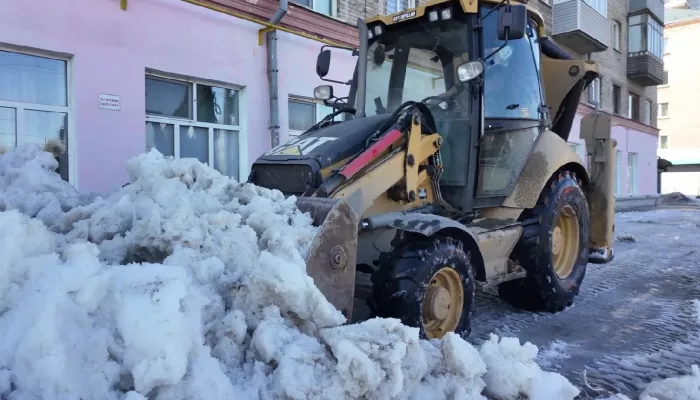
(303, 114)
(34, 103)
(191, 119)
(632, 185)
(618, 172)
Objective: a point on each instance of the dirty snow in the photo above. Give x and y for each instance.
(187, 285)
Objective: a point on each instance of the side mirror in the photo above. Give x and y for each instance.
(323, 63)
(512, 21)
(323, 92)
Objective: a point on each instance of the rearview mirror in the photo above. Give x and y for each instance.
(512, 21)
(323, 63)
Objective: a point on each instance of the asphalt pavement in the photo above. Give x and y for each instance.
(635, 319)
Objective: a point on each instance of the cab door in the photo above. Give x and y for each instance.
(513, 109)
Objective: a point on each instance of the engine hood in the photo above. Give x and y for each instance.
(297, 166)
(326, 146)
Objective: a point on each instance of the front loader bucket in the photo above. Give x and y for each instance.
(332, 255)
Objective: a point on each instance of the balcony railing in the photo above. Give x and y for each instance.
(579, 26)
(645, 69)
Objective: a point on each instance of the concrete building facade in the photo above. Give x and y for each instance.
(119, 79)
(679, 122)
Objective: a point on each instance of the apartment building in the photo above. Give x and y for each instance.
(679, 121)
(199, 78)
(625, 38)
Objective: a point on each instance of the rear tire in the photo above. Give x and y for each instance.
(555, 271)
(417, 280)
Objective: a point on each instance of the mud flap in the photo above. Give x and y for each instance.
(333, 253)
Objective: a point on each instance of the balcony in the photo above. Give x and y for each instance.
(645, 69)
(579, 26)
(653, 7)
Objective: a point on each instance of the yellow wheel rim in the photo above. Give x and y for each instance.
(442, 303)
(565, 242)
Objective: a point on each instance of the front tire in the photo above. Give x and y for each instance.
(553, 248)
(427, 283)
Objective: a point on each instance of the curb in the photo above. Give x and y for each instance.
(631, 203)
(628, 203)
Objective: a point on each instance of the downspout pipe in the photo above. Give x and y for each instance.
(360, 95)
(271, 47)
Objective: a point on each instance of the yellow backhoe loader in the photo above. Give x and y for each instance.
(448, 164)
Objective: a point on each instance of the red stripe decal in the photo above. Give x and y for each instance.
(369, 155)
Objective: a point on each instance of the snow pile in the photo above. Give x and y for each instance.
(28, 183)
(679, 198)
(188, 285)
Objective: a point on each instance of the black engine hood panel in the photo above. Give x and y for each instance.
(326, 146)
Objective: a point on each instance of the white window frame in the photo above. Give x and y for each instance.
(594, 92)
(618, 171)
(317, 112)
(397, 5)
(21, 107)
(580, 150)
(632, 162)
(333, 10)
(648, 107)
(661, 114)
(661, 145)
(617, 34)
(630, 108)
(601, 6)
(177, 122)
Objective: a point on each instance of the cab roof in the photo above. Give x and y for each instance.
(467, 6)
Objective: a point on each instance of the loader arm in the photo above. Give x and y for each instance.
(397, 167)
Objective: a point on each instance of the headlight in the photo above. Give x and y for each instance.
(433, 15)
(378, 30)
(323, 92)
(446, 13)
(469, 71)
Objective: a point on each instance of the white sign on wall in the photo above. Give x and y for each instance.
(109, 102)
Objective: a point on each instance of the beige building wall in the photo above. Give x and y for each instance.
(679, 110)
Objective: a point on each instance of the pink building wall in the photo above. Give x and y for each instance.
(109, 52)
(629, 140)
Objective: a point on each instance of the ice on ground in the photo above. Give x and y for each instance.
(678, 388)
(557, 350)
(626, 238)
(186, 285)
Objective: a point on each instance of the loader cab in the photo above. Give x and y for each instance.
(490, 125)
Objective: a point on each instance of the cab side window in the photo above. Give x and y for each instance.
(512, 84)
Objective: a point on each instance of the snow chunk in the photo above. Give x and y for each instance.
(29, 184)
(511, 372)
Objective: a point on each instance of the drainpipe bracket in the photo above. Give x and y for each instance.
(261, 33)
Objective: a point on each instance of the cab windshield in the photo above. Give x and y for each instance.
(414, 61)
